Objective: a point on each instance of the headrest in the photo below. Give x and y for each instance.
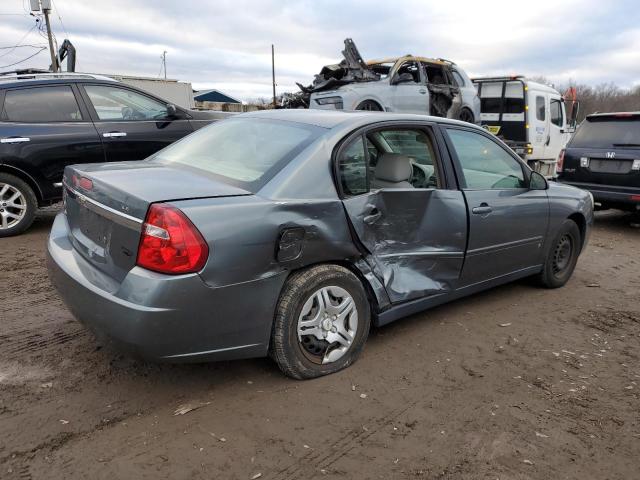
(393, 167)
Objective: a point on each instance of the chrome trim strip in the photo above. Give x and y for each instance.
(58, 185)
(211, 351)
(503, 246)
(15, 140)
(105, 211)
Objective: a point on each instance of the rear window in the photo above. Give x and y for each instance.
(41, 104)
(608, 133)
(245, 152)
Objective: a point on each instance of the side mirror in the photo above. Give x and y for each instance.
(173, 112)
(537, 182)
(402, 78)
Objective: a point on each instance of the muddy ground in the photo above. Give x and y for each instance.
(514, 383)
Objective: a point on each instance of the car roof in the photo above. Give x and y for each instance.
(11, 80)
(332, 118)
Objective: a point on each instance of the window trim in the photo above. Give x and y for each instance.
(462, 181)
(83, 113)
(94, 114)
(430, 128)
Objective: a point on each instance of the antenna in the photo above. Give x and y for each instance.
(164, 63)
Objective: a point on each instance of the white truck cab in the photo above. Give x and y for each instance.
(528, 116)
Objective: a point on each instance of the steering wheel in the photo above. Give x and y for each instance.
(128, 113)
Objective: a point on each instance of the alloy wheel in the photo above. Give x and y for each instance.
(327, 324)
(13, 206)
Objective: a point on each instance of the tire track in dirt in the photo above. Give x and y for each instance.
(323, 457)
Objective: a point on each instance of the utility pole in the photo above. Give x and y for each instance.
(164, 63)
(273, 74)
(45, 5)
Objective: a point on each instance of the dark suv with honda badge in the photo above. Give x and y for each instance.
(49, 121)
(603, 157)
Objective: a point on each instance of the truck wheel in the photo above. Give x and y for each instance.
(369, 105)
(466, 116)
(322, 322)
(562, 257)
(18, 205)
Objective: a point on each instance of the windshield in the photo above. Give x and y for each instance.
(608, 133)
(245, 152)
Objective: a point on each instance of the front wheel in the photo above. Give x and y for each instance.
(466, 116)
(18, 205)
(322, 322)
(562, 257)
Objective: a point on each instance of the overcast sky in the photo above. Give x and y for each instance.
(227, 44)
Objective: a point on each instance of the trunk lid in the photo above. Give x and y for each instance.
(106, 205)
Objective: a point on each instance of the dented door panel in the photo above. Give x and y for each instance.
(414, 239)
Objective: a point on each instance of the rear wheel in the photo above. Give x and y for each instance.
(322, 322)
(562, 257)
(369, 105)
(18, 205)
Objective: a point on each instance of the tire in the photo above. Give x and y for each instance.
(369, 105)
(466, 115)
(323, 349)
(562, 256)
(18, 205)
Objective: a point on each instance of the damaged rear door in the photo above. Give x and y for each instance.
(411, 226)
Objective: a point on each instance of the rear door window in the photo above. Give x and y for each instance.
(41, 105)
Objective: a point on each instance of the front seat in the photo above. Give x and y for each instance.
(393, 170)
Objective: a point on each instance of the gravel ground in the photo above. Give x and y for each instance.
(513, 383)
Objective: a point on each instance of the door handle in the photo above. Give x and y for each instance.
(372, 215)
(482, 209)
(15, 140)
(548, 141)
(114, 134)
(422, 91)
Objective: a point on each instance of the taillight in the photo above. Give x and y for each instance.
(170, 243)
(560, 162)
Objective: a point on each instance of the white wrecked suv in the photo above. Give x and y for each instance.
(406, 84)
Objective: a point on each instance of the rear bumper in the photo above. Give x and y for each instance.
(621, 197)
(161, 317)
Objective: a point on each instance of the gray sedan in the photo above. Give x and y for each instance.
(291, 233)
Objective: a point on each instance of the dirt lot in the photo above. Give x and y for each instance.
(514, 383)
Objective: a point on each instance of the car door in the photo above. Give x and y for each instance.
(408, 92)
(557, 138)
(410, 224)
(132, 125)
(44, 129)
(507, 221)
(538, 123)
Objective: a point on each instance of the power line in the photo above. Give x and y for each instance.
(37, 45)
(21, 40)
(24, 59)
(60, 18)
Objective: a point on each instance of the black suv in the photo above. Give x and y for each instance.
(49, 121)
(603, 157)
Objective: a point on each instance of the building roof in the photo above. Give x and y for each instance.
(214, 95)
